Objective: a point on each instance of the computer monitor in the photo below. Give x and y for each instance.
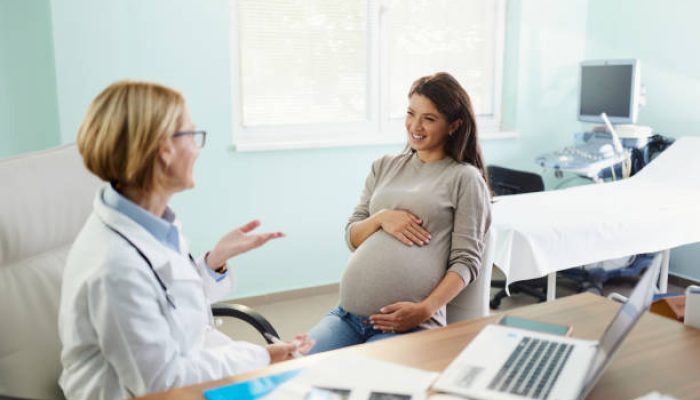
(609, 86)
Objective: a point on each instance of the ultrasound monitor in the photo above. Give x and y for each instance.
(609, 86)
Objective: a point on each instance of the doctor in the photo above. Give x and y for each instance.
(134, 315)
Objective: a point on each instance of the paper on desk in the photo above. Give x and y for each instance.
(352, 377)
(656, 396)
(445, 396)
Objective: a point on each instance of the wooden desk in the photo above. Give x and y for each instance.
(659, 354)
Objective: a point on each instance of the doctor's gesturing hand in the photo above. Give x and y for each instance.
(239, 241)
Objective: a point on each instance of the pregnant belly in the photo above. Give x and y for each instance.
(383, 271)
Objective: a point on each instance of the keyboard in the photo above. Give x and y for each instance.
(532, 368)
(575, 157)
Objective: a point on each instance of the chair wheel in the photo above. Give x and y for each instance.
(595, 290)
(592, 288)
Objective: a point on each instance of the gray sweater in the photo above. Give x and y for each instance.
(453, 201)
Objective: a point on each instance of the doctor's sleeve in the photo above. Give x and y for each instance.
(217, 287)
(127, 311)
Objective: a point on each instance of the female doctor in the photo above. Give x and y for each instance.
(134, 315)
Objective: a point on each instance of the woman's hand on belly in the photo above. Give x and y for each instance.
(401, 316)
(404, 226)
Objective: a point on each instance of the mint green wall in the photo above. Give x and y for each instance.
(28, 109)
(545, 41)
(309, 193)
(663, 36)
(306, 193)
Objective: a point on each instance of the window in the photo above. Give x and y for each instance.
(311, 73)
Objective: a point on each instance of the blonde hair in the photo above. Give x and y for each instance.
(122, 130)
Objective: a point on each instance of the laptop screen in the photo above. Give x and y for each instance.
(627, 316)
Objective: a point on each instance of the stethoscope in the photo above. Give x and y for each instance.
(168, 298)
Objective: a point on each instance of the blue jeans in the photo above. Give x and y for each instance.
(340, 328)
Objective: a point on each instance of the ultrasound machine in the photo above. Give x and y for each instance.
(610, 94)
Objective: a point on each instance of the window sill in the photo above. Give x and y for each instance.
(311, 143)
(316, 143)
(499, 135)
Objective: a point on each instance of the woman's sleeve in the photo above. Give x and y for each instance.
(472, 218)
(361, 211)
(137, 341)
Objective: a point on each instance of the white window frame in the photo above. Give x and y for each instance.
(378, 128)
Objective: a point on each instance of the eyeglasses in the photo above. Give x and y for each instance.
(200, 137)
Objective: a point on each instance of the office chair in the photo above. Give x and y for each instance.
(473, 301)
(46, 198)
(505, 181)
(246, 314)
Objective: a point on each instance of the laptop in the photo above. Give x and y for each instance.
(509, 363)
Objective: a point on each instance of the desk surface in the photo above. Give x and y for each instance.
(659, 354)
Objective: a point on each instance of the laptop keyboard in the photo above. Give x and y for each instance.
(532, 368)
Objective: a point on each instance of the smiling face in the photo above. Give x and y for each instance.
(427, 128)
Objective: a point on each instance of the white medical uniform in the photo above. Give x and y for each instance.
(120, 336)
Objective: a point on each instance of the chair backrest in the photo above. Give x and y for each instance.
(511, 181)
(46, 198)
(473, 301)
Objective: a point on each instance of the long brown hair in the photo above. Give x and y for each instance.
(452, 100)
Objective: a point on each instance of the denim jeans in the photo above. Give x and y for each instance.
(340, 328)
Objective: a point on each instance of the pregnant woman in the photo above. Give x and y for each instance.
(417, 234)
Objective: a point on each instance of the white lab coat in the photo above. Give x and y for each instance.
(120, 336)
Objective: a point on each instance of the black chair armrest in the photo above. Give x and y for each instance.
(247, 314)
